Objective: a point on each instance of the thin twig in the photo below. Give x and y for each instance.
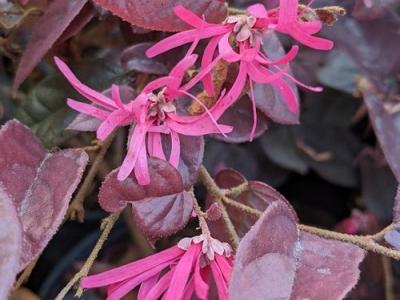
(236, 11)
(237, 190)
(106, 226)
(200, 215)
(366, 242)
(218, 195)
(25, 274)
(389, 284)
(76, 210)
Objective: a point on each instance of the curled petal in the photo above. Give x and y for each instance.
(92, 95)
(88, 109)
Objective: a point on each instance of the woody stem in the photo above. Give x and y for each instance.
(366, 242)
(218, 196)
(201, 216)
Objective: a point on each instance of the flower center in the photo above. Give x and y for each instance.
(244, 28)
(159, 106)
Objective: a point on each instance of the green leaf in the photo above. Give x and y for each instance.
(45, 109)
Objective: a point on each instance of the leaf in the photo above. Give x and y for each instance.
(268, 99)
(331, 159)
(386, 124)
(240, 116)
(328, 269)
(279, 144)
(191, 157)
(49, 27)
(10, 244)
(393, 237)
(134, 59)
(163, 216)
(339, 72)
(159, 15)
(265, 266)
(378, 188)
(258, 195)
(39, 183)
(115, 194)
(396, 207)
(160, 208)
(46, 111)
(275, 261)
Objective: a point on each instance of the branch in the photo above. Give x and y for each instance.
(76, 211)
(366, 242)
(25, 274)
(218, 196)
(106, 226)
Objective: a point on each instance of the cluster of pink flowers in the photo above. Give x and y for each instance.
(177, 273)
(237, 40)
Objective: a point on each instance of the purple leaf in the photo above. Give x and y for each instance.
(165, 180)
(10, 244)
(275, 261)
(81, 20)
(192, 152)
(393, 237)
(49, 27)
(265, 266)
(134, 58)
(396, 207)
(163, 216)
(268, 100)
(327, 269)
(159, 15)
(386, 125)
(240, 116)
(161, 208)
(258, 195)
(40, 184)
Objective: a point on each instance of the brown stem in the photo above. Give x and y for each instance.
(387, 269)
(106, 226)
(218, 195)
(25, 274)
(76, 210)
(237, 190)
(200, 215)
(366, 242)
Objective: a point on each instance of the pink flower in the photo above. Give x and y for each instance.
(246, 32)
(152, 114)
(175, 274)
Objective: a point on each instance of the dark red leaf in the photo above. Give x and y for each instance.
(191, 157)
(163, 216)
(269, 100)
(396, 207)
(134, 58)
(275, 261)
(40, 184)
(81, 20)
(159, 15)
(161, 208)
(385, 124)
(115, 194)
(258, 195)
(327, 269)
(10, 244)
(393, 237)
(49, 27)
(240, 116)
(265, 266)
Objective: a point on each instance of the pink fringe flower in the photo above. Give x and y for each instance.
(177, 273)
(245, 32)
(152, 113)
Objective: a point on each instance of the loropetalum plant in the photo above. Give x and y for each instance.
(249, 243)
